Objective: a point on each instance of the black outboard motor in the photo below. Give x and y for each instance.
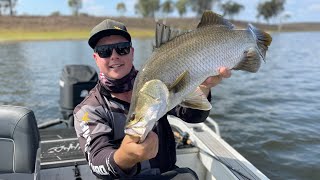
(75, 83)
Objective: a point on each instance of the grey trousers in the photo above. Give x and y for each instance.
(180, 174)
(176, 174)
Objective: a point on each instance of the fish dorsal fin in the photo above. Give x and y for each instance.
(211, 18)
(166, 33)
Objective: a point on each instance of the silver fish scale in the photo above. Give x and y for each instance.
(200, 53)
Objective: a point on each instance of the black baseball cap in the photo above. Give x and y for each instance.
(106, 28)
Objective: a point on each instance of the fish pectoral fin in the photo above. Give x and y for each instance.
(166, 33)
(250, 61)
(197, 100)
(175, 85)
(211, 18)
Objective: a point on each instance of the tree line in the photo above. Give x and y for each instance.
(267, 9)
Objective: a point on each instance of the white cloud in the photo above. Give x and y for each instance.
(314, 7)
(93, 8)
(130, 7)
(88, 1)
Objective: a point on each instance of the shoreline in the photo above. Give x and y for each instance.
(38, 28)
(16, 36)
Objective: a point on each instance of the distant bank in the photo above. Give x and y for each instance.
(21, 28)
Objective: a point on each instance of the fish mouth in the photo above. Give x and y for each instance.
(114, 66)
(140, 126)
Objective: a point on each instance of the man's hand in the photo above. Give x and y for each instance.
(131, 152)
(215, 80)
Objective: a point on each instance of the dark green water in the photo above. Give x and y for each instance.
(272, 117)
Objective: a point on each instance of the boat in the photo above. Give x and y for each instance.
(38, 151)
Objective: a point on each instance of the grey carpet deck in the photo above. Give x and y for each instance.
(60, 148)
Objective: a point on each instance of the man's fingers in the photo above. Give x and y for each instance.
(224, 72)
(151, 137)
(130, 139)
(152, 143)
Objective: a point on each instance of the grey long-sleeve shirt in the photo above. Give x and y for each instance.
(99, 122)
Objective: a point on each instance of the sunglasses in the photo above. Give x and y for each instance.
(105, 51)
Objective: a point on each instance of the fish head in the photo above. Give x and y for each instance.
(151, 104)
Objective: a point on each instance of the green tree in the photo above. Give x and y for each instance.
(55, 13)
(231, 8)
(147, 8)
(75, 6)
(270, 9)
(6, 5)
(121, 8)
(3, 7)
(264, 10)
(199, 6)
(167, 7)
(181, 6)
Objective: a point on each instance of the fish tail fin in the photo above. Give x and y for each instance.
(263, 39)
(251, 57)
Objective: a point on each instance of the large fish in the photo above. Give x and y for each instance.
(181, 61)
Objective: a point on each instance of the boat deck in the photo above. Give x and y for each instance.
(60, 148)
(216, 154)
(224, 155)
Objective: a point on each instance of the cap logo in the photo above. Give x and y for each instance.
(116, 27)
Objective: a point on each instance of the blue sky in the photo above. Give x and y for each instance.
(299, 11)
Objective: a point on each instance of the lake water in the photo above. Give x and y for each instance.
(271, 117)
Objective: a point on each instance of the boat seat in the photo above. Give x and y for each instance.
(19, 142)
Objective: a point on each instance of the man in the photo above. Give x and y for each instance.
(101, 117)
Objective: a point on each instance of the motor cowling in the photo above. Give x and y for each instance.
(75, 83)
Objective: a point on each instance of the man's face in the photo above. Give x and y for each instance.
(116, 66)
